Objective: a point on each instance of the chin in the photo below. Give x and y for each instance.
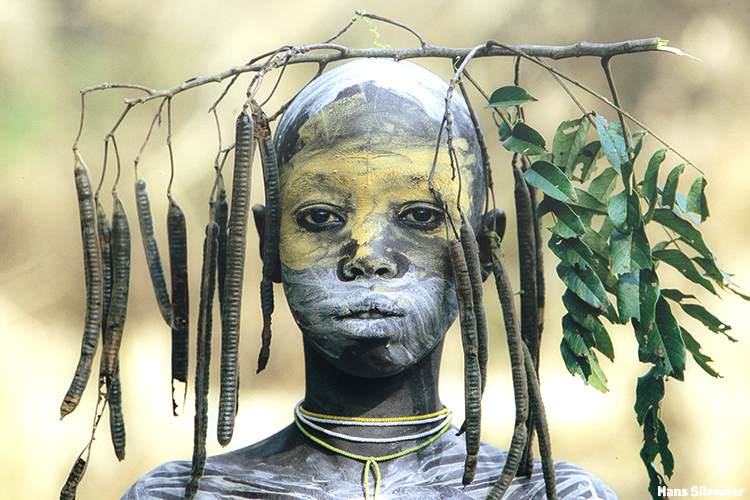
(370, 357)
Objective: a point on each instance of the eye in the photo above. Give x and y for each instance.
(421, 217)
(317, 219)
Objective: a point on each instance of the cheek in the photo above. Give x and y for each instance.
(300, 249)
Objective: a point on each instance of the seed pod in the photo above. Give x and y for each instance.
(518, 371)
(527, 253)
(222, 216)
(271, 228)
(105, 247)
(177, 237)
(236, 246)
(116, 421)
(92, 261)
(74, 478)
(153, 259)
(472, 376)
(203, 357)
(471, 251)
(120, 288)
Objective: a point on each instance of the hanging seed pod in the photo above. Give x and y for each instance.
(153, 258)
(271, 228)
(472, 375)
(518, 371)
(116, 420)
(92, 261)
(236, 246)
(177, 237)
(203, 357)
(118, 305)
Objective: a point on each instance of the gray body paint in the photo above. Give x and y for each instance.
(250, 473)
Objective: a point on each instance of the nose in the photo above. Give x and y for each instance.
(370, 260)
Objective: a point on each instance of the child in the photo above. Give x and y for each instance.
(366, 270)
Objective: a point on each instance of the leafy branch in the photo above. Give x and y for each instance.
(607, 263)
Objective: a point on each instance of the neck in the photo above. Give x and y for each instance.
(331, 391)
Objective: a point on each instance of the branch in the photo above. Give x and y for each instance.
(304, 54)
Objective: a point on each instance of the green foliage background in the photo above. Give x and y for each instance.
(49, 50)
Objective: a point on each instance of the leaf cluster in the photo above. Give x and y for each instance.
(605, 219)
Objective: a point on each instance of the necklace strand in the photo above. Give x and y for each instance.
(372, 462)
(443, 416)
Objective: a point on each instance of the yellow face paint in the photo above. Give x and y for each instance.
(364, 254)
(370, 189)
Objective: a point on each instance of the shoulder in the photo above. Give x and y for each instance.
(573, 482)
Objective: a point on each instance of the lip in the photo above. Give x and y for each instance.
(369, 308)
(370, 314)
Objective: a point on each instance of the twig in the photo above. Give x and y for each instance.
(340, 52)
(545, 65)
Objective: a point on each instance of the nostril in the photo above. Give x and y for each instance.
(383, 272)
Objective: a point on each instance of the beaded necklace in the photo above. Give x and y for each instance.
(304, 418)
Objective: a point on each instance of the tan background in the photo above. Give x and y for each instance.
(50, 49)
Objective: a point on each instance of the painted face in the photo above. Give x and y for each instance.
(363, 246)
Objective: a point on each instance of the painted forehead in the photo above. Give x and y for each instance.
(374, 105)
(373, 100)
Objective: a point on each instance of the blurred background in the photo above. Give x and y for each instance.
(51, 49)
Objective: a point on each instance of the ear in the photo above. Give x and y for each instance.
(493, 221)
(259, 216)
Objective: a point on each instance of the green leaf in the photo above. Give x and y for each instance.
(508, 96)
(671, 337)
(571, 250)
(687, 232)
(587, 157)
(525, 140)
(648, 292)
(580, 359)
(585, 284)
(670, 187)
(718, 276)
(710, 321)
(588, 203)
(650, 189)
(597, 379)
(649, 392)
(572, 362)
(550, 180)
(696, 199)
(568, 224)
(603, 185)
(574, 334)
(504, 131)
(675, 295)
(694, 348)
(563, 142)
(596, 242)
(637, 140)
(649, 395)
(587, 316)
(613, 143)
(685, 266)
(628, 296)
(629, 252)
(624, 211)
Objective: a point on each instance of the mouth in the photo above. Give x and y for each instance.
(369, 308)
(373, 313)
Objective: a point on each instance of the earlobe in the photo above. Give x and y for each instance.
(259, 216)
(493, 222)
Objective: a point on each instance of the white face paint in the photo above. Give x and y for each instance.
(363, 241)
(374, 326)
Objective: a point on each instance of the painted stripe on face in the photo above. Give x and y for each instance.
(392, 323)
